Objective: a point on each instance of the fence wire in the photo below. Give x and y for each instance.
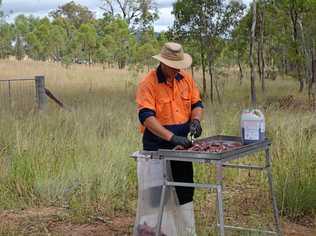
(17, 94)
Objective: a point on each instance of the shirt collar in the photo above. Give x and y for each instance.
(162, 78)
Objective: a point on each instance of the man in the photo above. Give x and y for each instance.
(169, 108)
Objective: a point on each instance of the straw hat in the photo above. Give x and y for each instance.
(173, 56)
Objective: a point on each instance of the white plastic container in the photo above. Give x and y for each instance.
(252, 126)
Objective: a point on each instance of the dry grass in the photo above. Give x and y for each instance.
(79, 159)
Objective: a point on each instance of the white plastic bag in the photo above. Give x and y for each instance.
(177, 220)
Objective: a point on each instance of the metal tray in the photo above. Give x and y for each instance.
(207, 156)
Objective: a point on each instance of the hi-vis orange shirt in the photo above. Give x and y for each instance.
(170, 102)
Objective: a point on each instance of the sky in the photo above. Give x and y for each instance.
(40, 8)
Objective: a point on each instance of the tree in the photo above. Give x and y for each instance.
(21, 29)
(261, 43)
(141, 13)
(310, 44)
(295, 10)
(87, 38)
(207, 21)
(118, 41)
(1, 13)
(251, 53)
(239, 43)
(73, 13)
(43, 34)
(34, 46)
(6, 36)
(58, 38)
(147, 47)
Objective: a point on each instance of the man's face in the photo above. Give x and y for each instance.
(169, 72)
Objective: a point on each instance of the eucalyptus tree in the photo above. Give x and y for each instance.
(6, 36)
(69, 18)
(139, 14)
(207, 21)
(87, 39)
(147, 46)
(6, 39)
(251, 53)
(310, 44)
(295, 10)
(261, 42)
(73, 13)
(118, 40)
(21, 27)
(1, 13)
(239, 43)
(58, 41)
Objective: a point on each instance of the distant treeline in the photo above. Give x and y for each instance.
(279, 35)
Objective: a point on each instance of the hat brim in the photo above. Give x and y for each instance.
(183, 64)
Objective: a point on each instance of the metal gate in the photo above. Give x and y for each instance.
(22, 94)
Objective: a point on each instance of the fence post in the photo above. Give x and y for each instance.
(40, 92)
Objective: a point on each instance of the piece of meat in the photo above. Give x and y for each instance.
(212, 146)
(146, 230)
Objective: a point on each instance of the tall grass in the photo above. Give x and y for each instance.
(79, 159)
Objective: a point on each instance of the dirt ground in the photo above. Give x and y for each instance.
(53, 221)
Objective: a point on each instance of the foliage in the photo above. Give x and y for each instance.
(73, 13)
(208, 23)
(140, 13)
(6, 37)
(148, 46)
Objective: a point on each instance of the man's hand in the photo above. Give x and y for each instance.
(195, 128)
(182, 141)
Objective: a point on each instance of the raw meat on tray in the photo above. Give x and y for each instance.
(212, 146)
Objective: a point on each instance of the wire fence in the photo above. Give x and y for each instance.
(21, 94)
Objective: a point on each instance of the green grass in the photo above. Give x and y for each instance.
(80, 159)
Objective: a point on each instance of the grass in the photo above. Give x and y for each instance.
(79, 159)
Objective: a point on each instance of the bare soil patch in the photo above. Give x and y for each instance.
(56, 221)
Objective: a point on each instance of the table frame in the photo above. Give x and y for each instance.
(221, 161)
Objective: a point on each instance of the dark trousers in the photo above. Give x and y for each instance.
(183, 172)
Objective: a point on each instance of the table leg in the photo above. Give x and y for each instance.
(219, 197)
(161, 208)
(162, 199)
(273, 198)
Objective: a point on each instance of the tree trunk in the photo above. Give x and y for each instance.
(262, 66)
(217, 92)
(301, 81)
(211, 76)
(203, 48)
(241, 75)
(294, 18)
(313, 87)
(19, 48)
(204, 76)
(202, 54)
(313, 67)
(251, 54)
(312, 80)
(259, 59)
(308, 63)
(192, 70)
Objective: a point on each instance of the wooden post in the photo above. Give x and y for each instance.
(40, 92)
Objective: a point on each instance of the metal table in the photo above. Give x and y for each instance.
(221, 161)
